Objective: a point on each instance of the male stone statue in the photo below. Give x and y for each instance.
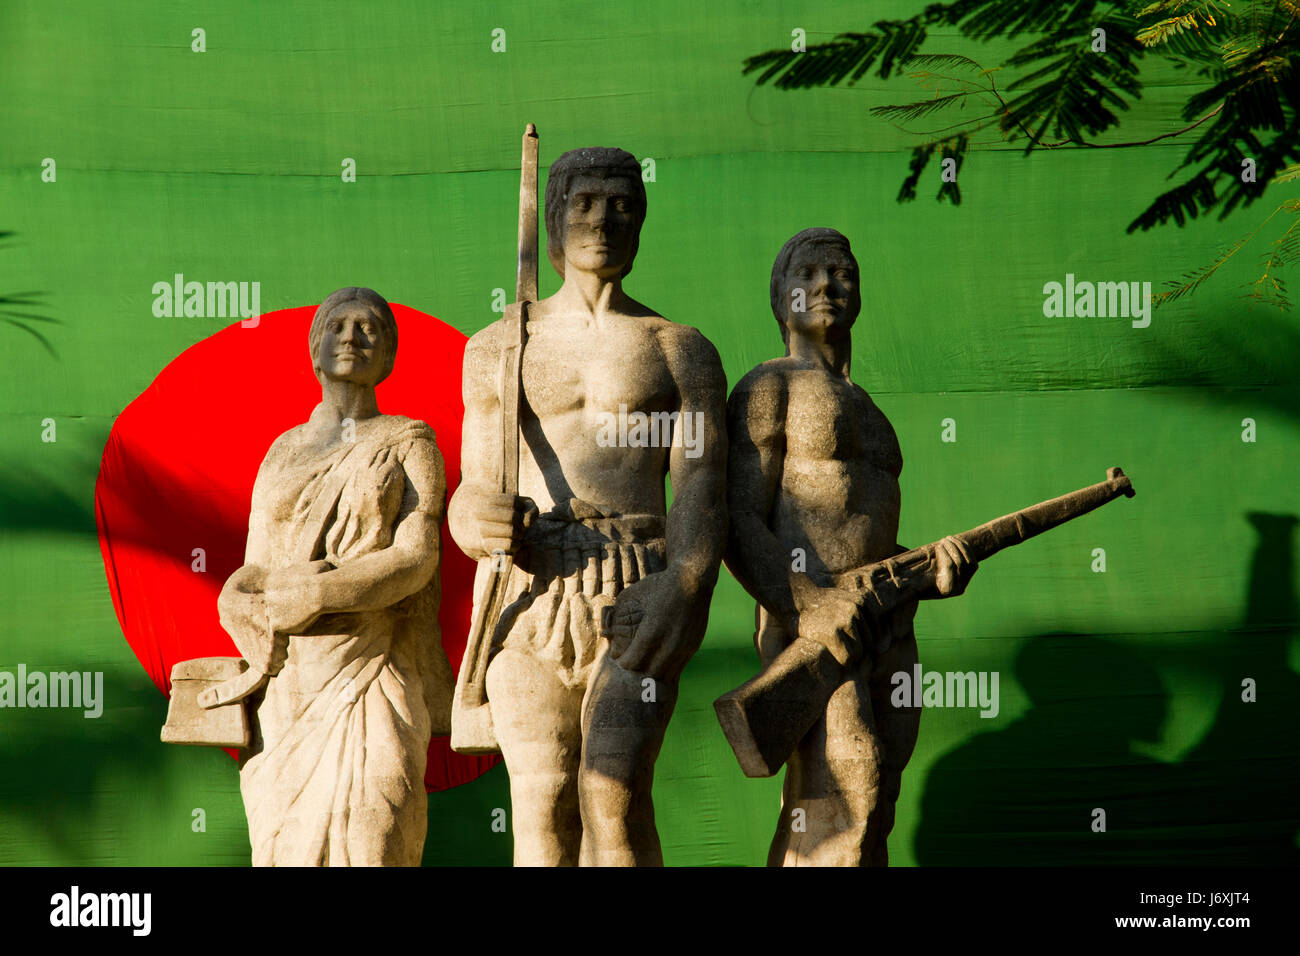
(609, 592)
(813, 470)
(336, 609)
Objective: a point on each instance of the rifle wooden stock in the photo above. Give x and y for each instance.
(765, 718)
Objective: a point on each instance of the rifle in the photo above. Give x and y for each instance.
(471, 718)
(765, 718)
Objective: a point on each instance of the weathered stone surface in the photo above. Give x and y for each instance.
(188, 722)
(336, 607)
(813, 496)
(607, 597)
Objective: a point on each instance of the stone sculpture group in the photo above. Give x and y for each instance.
(592, 594)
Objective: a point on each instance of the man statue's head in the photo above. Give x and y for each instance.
(595, 205)
(815, 284)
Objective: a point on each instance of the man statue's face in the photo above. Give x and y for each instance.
(823, 279)
(352, 345)
(600, 224)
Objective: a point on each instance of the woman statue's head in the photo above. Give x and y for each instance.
(353, 337)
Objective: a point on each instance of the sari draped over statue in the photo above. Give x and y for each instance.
(336, 775)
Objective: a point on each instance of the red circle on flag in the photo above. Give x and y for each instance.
(178, 470)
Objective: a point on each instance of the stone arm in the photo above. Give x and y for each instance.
(381, 578)
(658, 622)
(240, 606)
(480, 518)
(697, 520)
(756, 450)
(257, 551)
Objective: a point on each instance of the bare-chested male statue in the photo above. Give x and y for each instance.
(813, 470)
(614, 398)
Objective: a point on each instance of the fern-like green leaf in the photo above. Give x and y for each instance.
(911, 111)
(1163, 30)
(1292, 172)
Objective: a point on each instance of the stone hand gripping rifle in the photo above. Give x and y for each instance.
(765, 718)
(471, 718)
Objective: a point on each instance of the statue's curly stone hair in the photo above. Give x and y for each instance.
(378, 307)
(605, 161)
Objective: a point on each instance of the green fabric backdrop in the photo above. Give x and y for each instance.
(1120, 690)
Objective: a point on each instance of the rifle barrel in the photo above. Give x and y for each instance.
(991, 537)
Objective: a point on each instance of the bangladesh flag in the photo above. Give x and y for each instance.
(1145, 655)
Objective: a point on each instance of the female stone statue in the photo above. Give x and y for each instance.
(337, 602)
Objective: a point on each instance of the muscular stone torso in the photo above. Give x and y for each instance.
(574, 369)
(839, 495)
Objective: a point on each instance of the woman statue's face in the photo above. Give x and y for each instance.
(352, 346)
